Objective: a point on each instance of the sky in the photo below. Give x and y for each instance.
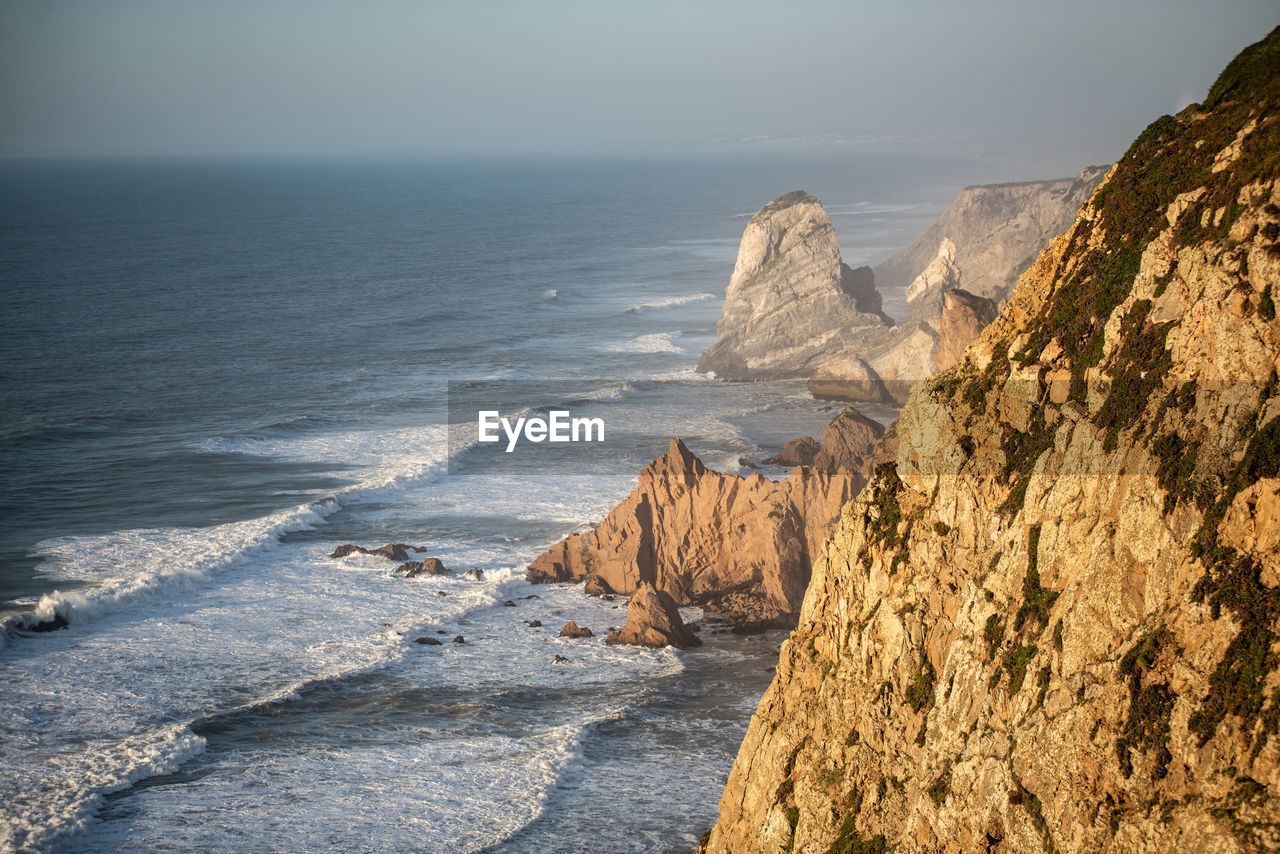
(1070, 82)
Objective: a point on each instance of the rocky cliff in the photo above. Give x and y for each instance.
(743, 546)
(988, 237)
(791, 301)
(794, 309)
(1051, 623)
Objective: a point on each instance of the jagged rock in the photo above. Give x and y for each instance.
(791, 301)
(533, 624)
(653, 620)
(797, 452)
(964, 316)
(474, 574)
(414, 568)
(746, 463)
(995, 232)
(850, 444)
(348, 549)
(459, 639)
(559, 659)
(596, 586)
(941, 274)
(1051, 623)
(573, 630)
(739, 545)
(427, 641)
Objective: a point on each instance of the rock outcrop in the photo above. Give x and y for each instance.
(742, 546)
(573, 630)
(1053, 623)
(794, 309)
(391, 551)
(988, 237)
(653, 620)
(961, 321)
(851, 443)
(797, 452)
(791, 302)
(414, 568)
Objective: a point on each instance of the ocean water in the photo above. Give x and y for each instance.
(215, 371)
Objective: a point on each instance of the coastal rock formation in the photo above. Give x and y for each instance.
(791, 301)
(414, 568)
(961, 321)
(1053, 623)
(794, 309)
(573, 630)
(797, 452)
(391, 551)
(988, 237)
(847, 378)
(742, 546)
(653, 620)
(850, 444)
(596, 586)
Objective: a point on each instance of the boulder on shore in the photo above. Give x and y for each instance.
(653, 620)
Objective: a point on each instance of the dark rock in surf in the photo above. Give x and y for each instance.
(414, 568)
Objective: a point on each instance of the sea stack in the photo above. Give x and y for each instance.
(791, 301)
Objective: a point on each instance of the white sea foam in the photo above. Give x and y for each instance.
(550, 294)
(657, 342)
(667, 302)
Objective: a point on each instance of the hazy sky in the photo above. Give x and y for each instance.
(1071, 81)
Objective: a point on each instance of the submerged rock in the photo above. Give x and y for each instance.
(427, 641)
(653, 620)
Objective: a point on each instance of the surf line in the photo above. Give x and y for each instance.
(558, 426)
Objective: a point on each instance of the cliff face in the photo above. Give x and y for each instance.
(794, 309)
(1052, 623)
(791, 300)
(993, 232)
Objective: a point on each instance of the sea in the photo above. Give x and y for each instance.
(216, 370)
